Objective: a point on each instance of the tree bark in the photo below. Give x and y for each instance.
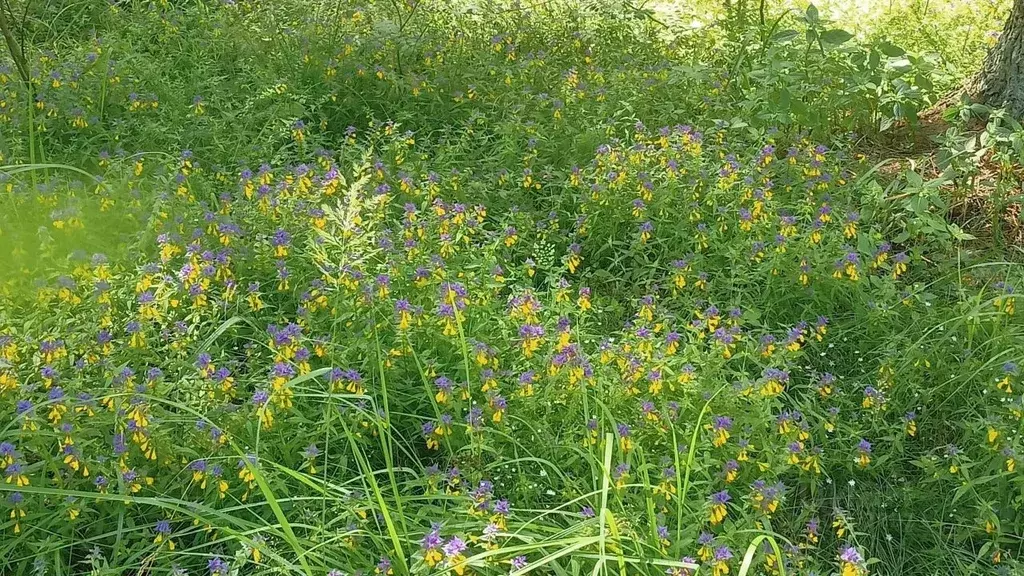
(1000, 82)
(15, 48)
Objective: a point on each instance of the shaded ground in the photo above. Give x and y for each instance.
(983, 203)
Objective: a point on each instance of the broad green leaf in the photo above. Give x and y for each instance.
(784, 36)
(891, 50)
(811, 14)
(836, 36)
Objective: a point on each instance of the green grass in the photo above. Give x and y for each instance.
(442, 288)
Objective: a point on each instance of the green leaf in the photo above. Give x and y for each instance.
(900, 65)
(959, 233)
(914, 181)
(783, 36)
(891, 50)
(836, 36)
(864, 244)
(918, 205)
(811, 14)
(798, 106)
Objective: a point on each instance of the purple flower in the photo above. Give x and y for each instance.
(720, 497)
(620, 471)
(217, 566)
(850, 554)
(163, 528)
(454, 547)
(723, 422)
(531, 331)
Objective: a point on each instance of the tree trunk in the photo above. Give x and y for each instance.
(1000, 82)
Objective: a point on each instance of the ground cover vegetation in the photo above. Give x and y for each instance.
(424, 287)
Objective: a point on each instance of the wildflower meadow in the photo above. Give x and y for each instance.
(487, 287)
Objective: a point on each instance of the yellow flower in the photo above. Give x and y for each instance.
(718, 513)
